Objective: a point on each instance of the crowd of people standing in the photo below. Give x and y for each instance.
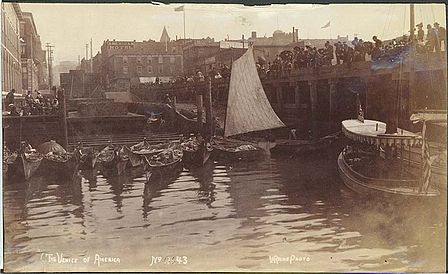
(38, 105)
(354, 51)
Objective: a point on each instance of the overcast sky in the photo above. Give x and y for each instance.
(70, 26)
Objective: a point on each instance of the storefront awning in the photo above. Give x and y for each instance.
(374, 133)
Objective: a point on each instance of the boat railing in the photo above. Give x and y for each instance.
(386, 181)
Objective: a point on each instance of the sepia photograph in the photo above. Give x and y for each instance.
(206, 137)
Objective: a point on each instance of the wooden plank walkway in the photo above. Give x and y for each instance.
(99, 141)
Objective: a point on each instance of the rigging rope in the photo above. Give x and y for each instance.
(388, 18)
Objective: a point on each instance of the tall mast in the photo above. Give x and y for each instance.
(412, 92)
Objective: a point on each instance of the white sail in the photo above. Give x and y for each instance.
(248, 108)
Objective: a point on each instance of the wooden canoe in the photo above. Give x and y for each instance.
(88, 159)
(25, 165)
(377, 187)
(198, 157)
(142, 149)
(112, 161)
(157, 168)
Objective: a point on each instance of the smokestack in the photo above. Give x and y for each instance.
(297, 35)
(242, 38)
(254, 34)
(293, 35)
(91, 56)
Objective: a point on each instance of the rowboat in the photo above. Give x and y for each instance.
(232, 149)
(165, 162)
(301, 146)
(195, 152)
(112, 161)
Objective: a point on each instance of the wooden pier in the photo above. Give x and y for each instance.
(100, 141)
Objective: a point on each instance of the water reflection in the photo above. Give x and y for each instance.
(224, 216)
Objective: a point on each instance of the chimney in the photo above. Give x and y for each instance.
(242, 38)
(254, 34)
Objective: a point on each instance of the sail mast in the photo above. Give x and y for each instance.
(412, 105)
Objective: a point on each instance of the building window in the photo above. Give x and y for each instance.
(149, 60)
(139, 69)
(125, 70)
(149, 69)
(24, 70)
(139, 60)
(172, 59)
(160, 59)
(125, 60)
(160, 70)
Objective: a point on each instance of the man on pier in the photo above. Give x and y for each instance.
(432, 41)
(10, 97)
(329, 53)
(420, 33)
(441, 35)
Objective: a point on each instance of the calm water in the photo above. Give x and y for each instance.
(229, 217)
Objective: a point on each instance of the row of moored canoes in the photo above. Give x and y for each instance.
(51, 159)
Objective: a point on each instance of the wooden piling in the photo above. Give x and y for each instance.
(208, 108)
(63, 114)
(199, 108)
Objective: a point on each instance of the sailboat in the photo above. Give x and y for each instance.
(373, 163)
(248, 110)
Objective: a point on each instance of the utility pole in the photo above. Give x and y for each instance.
(49, 48)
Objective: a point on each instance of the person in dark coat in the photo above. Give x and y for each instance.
(329, 53)
(40, 98)
(378, 42)
(441, 35)
(29, 98)
(420, 32)
(432, 42)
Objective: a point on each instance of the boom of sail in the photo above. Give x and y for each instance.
(248, 108)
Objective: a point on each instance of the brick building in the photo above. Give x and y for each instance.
(194, 51)
(11, 70)
(33, 58)
(123, 62)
